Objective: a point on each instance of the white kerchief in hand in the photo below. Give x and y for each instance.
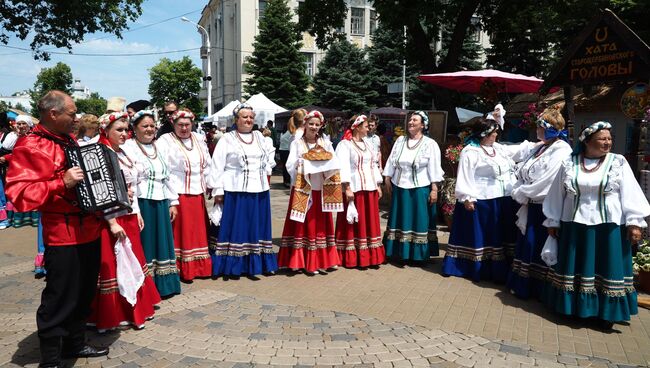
(352, 215)
(549, 252)
(215, 214)
(129, 271)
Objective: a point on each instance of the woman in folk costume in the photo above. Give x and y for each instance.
(358, 232)
(483, 213)
(240, 165)
(158, 202)
(24, 125)
(188, 161)
(308, 235)
(595, 208)
(535, 174)
(112, 308)
(411, 173)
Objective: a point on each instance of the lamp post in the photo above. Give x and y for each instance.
(209, 77)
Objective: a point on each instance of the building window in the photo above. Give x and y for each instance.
(309, 63)
(262, 8)
(373, 22)
(357, 25)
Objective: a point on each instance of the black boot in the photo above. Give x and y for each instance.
(50, 352)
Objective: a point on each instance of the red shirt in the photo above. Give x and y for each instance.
(35, 182)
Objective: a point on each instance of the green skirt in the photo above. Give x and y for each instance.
(411, 231)
(593, 276)
(158, 245)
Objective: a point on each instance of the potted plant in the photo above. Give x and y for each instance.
(641, 266)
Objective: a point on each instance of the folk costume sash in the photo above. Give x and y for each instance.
(331, 195)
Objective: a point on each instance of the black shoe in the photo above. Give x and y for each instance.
(86, 351)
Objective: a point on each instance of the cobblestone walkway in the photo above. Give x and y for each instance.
(210, 328)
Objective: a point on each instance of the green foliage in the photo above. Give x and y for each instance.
(385, 58)
(322, 19)
(277, 67)
(4, 107)
(57, 77)
(95, 104)
(63, 23)
(20, 107)
(178, 80)
(342, 80)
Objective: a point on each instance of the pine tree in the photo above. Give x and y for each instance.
(343, 81)
(277, 67)
(385, 58)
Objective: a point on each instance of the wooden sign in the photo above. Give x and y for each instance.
(606, 50)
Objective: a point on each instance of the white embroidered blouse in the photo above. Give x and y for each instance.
(485, 172)
(153, 177)
(188, 161)
(298, 148)
(412, 164)
(241, 163)
(536, 172)
(359, 165)
(608, 194)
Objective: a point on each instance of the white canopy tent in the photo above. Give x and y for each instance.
(465, 115)
(224, 116)
(264, 108)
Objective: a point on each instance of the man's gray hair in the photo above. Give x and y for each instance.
(53, 100)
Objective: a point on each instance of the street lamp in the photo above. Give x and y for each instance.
(209, 77)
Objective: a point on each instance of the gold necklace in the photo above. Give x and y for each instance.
(155, 150)
(183, 143)
(242, 140)
(415, 145)
(364, 145)
(130, 164)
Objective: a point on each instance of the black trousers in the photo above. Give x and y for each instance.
(71, 283)
(286, 178)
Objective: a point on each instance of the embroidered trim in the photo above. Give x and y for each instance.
(407, 236)
(476, 254)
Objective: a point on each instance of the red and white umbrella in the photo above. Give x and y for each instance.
(471, 81)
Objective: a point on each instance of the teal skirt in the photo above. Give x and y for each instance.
(411, 230)
(158, 244)
(593, 276)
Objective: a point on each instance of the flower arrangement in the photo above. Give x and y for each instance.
(452, 153)
(641, 262)
(530, 117)
(646, 118)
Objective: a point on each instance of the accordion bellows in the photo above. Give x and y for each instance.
(103, 187)
(317, 153)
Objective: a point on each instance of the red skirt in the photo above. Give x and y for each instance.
(309, 245)
(191, 237)
(109, 308)
(359, 244)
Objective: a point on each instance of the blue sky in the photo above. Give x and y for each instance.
(115, 75)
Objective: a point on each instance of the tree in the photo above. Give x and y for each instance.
(95, 104)
(20, 107)
(277, 66)
(385, 58)
(62, 23)
(57, 77)
(342, 80)
(178, 80)
(4, 107)
(528, 38)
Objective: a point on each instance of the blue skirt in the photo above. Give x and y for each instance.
(593, 275)
(242, 244)
(475, 248)
(528, 273)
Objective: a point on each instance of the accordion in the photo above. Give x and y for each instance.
(103, 187)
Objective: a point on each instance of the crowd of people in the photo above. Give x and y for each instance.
(545, 220)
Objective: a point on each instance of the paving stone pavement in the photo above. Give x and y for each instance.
(389, 317)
